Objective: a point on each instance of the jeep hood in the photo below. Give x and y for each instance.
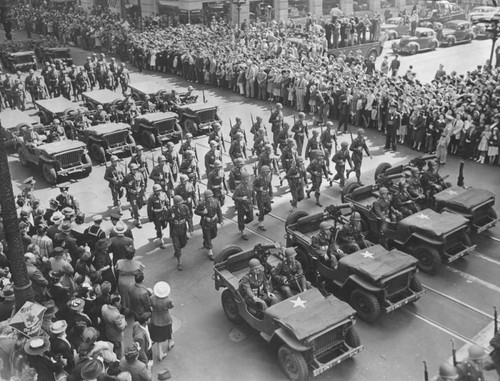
(55, 148)
(148, 87)
(57, 105)
(198, 106)
(108, 128)
(377, 263)
(156, 117)
(311, 315)
(435, 224)
(104, 96)
(464, 199)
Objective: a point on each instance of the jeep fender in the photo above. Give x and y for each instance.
(282, 336)
(415, 238)
(355, 281)
(47, 160)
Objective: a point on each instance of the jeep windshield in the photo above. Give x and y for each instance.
(26, 58)
(60, 53)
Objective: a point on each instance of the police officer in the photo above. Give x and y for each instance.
(317, 169)
(172, 158)
(158, 204)
(134, 184)
(357, 147)
(340, 159)
(237, 149)
(66, 200)
(300, 130)
(216, 181)
(114, 176)
(254, 287)
(263, 194)
(94, 233)
(325, 246)
(189, 167)
(288, 276)
(243, 198)
(211, 214)
(350, 236)
(177, 216)
(235, 174)
(297, 180)
(276, 120)
(141, 160)
(327, 139)
(471, 369)
(187, 191)
(162, 174)
(212, 156)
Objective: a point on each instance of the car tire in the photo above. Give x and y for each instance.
(226, 253)
(22, 158)
(49, 173)
(44, 120)
(434, 46)
(230, 307)
(86, 160)
(451, 42)
(293, 363)
(148, 139)
(366, 305)
(348, 188)
(130, 141)
(429, 259)
(97, 153)
(352, 338)
(180, 134)
(294, 216)
(469, 38)
(413, 50)
(381, 168)
(190, 126)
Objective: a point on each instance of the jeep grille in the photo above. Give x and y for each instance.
(327, 341)
(69, 159)
(398, 284)
(116, 139)
(454, 239)
(207, 116)
(165, 127)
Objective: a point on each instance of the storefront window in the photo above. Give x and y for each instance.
(387, 4)
(195, 16)
(360, 5)
(298, 8)
(261, 10)
(328, 5)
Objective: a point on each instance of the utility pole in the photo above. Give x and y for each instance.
(15, 252)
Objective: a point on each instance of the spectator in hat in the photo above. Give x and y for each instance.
(60, 264)
(25, 237)
(38, 281)
(77, 319)
(59, 344)
(126, 269)
(131, 364)
(7, 303)
(103, 263)
(139, 297)
(65, 239)
(115, 217)
(120, 244)
(49, 316)
(94, 233)
(160, 327)
(56, 220)
(37, 351)
(42, 240)
(114, 323)
(141, 335)
(49, 212)
(92, 370)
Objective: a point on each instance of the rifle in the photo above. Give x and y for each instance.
(460, 181)
(223, 143)
(495, 317)
(199, 194)
(453, 353)
(251, 129)
(255, 169)
(203, 92)
(426, 372)
(230, 130)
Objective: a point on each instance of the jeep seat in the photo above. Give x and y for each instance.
(394, 170)
(361, 193)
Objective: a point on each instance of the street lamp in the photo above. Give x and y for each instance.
(493, 31)
(238, 4)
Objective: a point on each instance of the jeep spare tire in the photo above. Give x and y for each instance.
(226, 253)
(231, 307)
(381, 168)
(190, 126)
(293, 364)
(49, 173)
(294, 216)
(348, 189)
(97, 153)
(148, 139)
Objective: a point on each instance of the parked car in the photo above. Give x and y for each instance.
(424, 39)
(395, 27)
(50, 109)
(13, 121)
(483, 14)
(106, 139)
(455, 31)
(157, 127)
(373, 280)
(429, 236)
(480, 30)
(475, 204)
(312, 332)
(197, 118)
(50, 55)
(19, 61)
(55, 160)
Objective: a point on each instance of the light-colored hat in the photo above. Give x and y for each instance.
(57, 217)
(120, 228)
(161, 289)
(8, 293)
(58, 327)
(37, 346)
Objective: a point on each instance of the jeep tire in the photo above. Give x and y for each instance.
(365, 304)
(231, 307)
(226, 253)
(428, 257)
(293, 364)
(381, 168)
(352, 338)
(22, 157)
(190, 126)
(86, 160)
(97, 153)
(148, 139)
(49, 173)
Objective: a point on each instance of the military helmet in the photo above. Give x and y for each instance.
(216, 124)
(414, 170)
(431, 164)
(245, 175)
(113, 158)
(476, 352)
(190, 88)
(383, 190)
(361, 131)
(56, 121)
(156, 187)
(208, 193)
(259, 118)
(265, 169)
(213, 143)
(290, 141)
(189, 153)
(239, 161)
(315, 132)
(329, 124)
(279, 105)
(217, 164)
(325, 226)
(178, 200)
(99, 107)
(299, 159)
(302, 115)
(162, 158)
(133, 166)
(238, 135)
(344, 144)
(183, 177)
(356, 216)
(138, 147)
(268, 147)
(448, 371)
(290, 252)
(254, 263)
(189, 135)
(170, 144)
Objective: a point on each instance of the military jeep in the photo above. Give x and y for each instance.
(55, 108)
(13, 121)
(197, 118)
(19, 61)
(106, 139)
(106, 98)
(373, 280)
(55, 160)
(429, 236)
(313, 333)
(157, 127)
(50, 55)
(139, 90)
(475, 204)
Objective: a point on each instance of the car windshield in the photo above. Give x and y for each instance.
(60, 54)
(451, 25)
(392, 22)
(23, 59)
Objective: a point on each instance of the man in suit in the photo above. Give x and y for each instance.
(38, 281)
(114, 323)
(139, 297)
(392, 124)
(120, 243)
(59, 344)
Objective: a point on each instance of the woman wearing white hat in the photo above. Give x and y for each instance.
(160, 328)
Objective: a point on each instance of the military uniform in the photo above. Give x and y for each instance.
(263, 194)
(173, 159)
(244, 208)
(19, 94)
(134, 184)
(288, 157)
(188, 193)
(415, 189)
(289, 278)
(211, 214)
(317, 170)
(67, 201)
(255, 286)
(350, 238)
(215, 182)
(300, 130)
(29, 84)
(401, 203)
(340, 159)
(158, 205)
(297, 179)
(142, 162)
(188, 145)
(162, 174)
(93, 234)
(327, 139)
(357, 147)
(283, 136)
(468, 372)
(235, 177)
(326, 248)
(210, 158)
(189, 167)
(276, 120)
(177, 216)
(237, 149)
(312, 145)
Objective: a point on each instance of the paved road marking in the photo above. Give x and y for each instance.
(482, 338)
(476, 254)
(473, 279)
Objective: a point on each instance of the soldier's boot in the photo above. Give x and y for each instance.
(261, 226)
(309, 193)
(359, 181)
(179, 264)
(317, 202)
(162, 244)
(138, 223)
(347, 173)
(244, 236)
(210, 254)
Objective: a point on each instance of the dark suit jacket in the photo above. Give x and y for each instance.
(58, 346)
(139, 336)
(139, 300)
(119, 246)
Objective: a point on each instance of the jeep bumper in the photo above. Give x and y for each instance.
(323, 367)
(394, 306)
(169, 136)
(485, 224)
(457, 252)
(120, 149)
(76, 169)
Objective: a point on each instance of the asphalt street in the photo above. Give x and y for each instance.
(457, 305)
